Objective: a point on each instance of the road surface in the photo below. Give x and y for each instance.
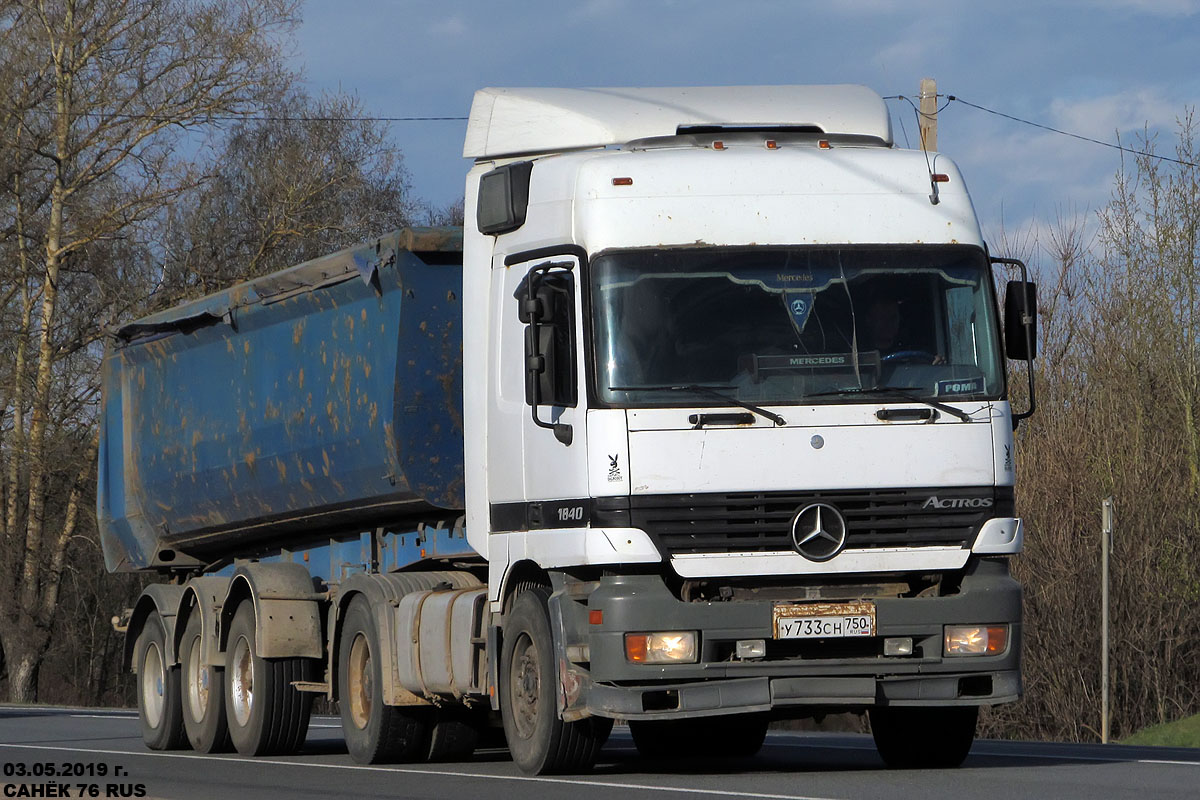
(104, 751)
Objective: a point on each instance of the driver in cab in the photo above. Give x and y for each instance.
(883, 334)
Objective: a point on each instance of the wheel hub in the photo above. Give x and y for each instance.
(359, 682)
(241, 682)
(153, 681)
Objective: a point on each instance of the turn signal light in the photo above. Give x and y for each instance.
(677, 647)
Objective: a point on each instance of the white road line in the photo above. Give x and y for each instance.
(444, 773)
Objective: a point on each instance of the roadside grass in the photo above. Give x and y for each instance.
(1180, 733)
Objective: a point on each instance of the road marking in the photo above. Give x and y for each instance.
(442, 772)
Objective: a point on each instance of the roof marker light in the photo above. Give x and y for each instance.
(939, 177)
(772, 144)
(622, 181)
(823, 144)
(718, 145)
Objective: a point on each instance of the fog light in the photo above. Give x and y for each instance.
(976, 640)
(751, 648)
(661, 648)
(897, 646)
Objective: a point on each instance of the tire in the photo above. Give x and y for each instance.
(914, 738)
(159, 707)
(538, 740)
(375, 733)
(203, 694)
(265, 715)
(739, 736)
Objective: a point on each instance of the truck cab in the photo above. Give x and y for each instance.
(745, 404)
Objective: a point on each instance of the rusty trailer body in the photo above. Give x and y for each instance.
(325, 398)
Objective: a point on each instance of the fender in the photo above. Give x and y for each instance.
(287, 609)
(203, 596)
(163, 598)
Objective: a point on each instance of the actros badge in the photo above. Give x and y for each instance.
(819, 532)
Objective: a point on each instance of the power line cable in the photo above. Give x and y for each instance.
(954, 99)
(232, 117)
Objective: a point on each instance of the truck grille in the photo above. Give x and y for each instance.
(748, 522)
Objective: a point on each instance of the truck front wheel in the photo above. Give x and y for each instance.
(265, 714)
(930, 737)
(538, 739)
(203, 694)
(159, 707)
(375, 733)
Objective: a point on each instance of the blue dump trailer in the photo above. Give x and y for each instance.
(700, 421)
(312, 402)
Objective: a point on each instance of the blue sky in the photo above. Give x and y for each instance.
(1093, 68)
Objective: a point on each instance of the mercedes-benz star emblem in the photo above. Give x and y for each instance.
(819, 532)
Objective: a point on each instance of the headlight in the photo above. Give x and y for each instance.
(678, 647)
(975, 640)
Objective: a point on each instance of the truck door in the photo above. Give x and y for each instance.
(542, 340)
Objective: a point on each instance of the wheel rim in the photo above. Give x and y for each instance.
(241, 682)
(153, 684)
(525, 686)
(358, 683)
(198, 677)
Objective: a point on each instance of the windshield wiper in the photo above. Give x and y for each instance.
(711, 392)
(903, 392)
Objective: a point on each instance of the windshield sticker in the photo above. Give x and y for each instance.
(813, 361)
(798, 306)
(960, 386)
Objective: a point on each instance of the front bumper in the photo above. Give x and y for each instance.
(830, 674)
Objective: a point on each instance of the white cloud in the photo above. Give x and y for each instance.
(1101, 117)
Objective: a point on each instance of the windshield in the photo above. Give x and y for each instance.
(793, 325)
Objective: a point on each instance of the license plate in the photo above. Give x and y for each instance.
(824, 620)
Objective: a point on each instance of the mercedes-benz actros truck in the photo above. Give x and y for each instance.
(699, 422)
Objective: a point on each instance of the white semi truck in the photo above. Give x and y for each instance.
(699, 422)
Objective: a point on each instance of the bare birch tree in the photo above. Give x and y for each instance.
(126, 82)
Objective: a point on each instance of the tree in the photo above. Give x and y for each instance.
(100, 95)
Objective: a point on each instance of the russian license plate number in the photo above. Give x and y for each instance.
(824, 620)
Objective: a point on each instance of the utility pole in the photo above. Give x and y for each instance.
(928, 115)
(1106, 535)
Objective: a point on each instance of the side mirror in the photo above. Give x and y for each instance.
(1020, 320)
(546, 304)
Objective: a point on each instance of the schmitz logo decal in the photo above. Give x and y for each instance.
(958, 502)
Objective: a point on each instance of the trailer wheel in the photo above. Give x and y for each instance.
(739, 736)
(538, 739)
(265, 715)
(159, 706)
(203, 694)
(913, 738)
(375, 733)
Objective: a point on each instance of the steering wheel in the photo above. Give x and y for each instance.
(909, 357)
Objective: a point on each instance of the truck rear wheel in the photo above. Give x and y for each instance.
(538, 739)
(375, 733)
(266, 716)
(159, 706)
(707, 737)
(203, 694)
(914, 738)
